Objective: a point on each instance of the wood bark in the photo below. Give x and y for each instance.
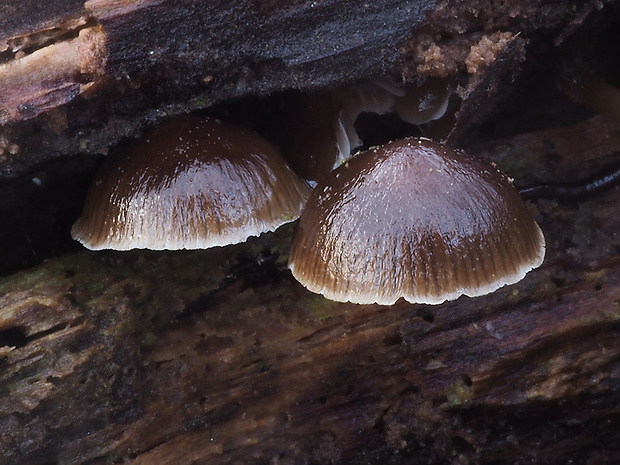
(219, 356)
(78, 78)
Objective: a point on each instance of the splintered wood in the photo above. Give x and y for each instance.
(51, 76)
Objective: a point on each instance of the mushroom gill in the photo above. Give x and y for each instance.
(417, 220)
(190, 183)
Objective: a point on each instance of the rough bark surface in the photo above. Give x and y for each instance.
(219, 356)
(109, 68)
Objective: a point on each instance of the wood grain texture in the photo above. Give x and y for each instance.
(162, 58)
(192, 358)
(221, 357)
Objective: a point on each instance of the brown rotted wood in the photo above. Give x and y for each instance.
(116, 66)
(216, 356)
(77, 79)
(220, 357)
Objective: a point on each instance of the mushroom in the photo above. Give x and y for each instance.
(316, 132)
(600, 95)
(417, 220)
(426, 102)
(319, 132)
(190, 183)
(306, 129)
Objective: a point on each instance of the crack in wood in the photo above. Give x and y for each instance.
(18, 47)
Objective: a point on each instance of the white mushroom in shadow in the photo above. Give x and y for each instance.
(416, 220)
(424, 103)
(190, 183)
(317, 132)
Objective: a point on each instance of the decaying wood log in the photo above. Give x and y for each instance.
(131, 63)
(219, 356)
(105, 69)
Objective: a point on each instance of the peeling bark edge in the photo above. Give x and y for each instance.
(164, 58)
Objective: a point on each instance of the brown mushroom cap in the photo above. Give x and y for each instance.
(190, 183)
(417, 220)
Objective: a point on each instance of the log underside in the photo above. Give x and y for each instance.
(219, 356)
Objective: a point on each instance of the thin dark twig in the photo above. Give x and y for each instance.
(573, 191)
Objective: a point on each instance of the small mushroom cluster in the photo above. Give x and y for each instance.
(317, 133)
(411, 219)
